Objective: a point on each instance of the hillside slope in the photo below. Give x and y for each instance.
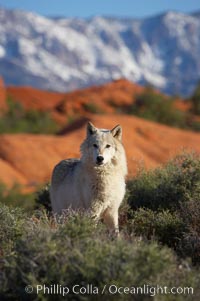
(32, 157)
(104, 99)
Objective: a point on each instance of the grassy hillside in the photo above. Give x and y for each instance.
(19, 120)
(157, 107)
(159, 243)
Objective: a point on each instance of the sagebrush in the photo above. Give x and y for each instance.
(159, 242)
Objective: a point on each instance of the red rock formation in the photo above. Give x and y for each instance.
(103, 99)
(3, 105)
(32, 157)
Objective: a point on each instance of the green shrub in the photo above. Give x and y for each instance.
(17, 120)
(190, 214)
(190, 244)
(156, 107)
(166, 187)
(195, 126)
(13, 197)
(164, 226)
(42, 199)
(92, 108)
(195, 99)
(124, 212)
(12, 221)
(165, 205)
(73, 251)
(153, 106)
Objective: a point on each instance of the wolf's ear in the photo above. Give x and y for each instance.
(117, 132)
(91, 129)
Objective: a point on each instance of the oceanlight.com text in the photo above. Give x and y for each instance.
(107, 289)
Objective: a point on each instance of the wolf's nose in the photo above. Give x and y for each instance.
(100, 159)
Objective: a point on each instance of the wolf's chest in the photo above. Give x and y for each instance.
(106, 187)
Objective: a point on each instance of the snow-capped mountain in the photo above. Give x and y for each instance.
(63, 54)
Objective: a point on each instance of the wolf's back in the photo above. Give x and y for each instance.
(63, 169)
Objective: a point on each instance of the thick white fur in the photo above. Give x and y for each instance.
(81, 183)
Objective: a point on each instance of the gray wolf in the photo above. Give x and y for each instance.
(96, 181)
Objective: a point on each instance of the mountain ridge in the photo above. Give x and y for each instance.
(69, 53)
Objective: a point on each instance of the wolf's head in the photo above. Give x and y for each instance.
(100, 146)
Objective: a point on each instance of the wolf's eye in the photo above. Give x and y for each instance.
(95, 145)
(108, 145)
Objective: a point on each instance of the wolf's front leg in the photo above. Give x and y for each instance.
(111, 219)
(96, 211)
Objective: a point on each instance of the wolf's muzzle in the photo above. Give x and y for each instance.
(100, 160)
